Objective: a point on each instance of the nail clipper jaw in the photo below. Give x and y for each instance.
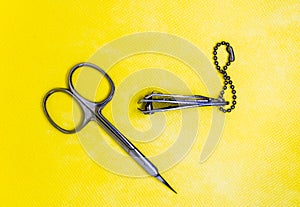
(148, 106)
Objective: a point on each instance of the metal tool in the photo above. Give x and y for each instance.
(92, 112)
(168, 102)
(175, 102)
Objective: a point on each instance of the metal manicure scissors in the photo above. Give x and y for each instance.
(92, 112)
(175, 102)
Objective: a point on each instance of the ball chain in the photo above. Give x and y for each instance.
(227, 78)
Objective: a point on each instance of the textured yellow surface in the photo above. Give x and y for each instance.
(257, 160)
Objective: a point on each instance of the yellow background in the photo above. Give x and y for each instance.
(257, 160)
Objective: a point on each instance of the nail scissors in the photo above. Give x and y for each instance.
(92, 112)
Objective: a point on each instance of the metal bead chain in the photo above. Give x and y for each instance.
(226, 77)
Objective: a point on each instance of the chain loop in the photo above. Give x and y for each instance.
(226, 77)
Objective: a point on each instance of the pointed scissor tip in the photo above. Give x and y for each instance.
(161, 179)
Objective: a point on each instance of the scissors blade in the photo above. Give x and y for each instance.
(161, 179)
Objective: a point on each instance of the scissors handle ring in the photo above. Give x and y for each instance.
(63, 90)
(73, 90)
